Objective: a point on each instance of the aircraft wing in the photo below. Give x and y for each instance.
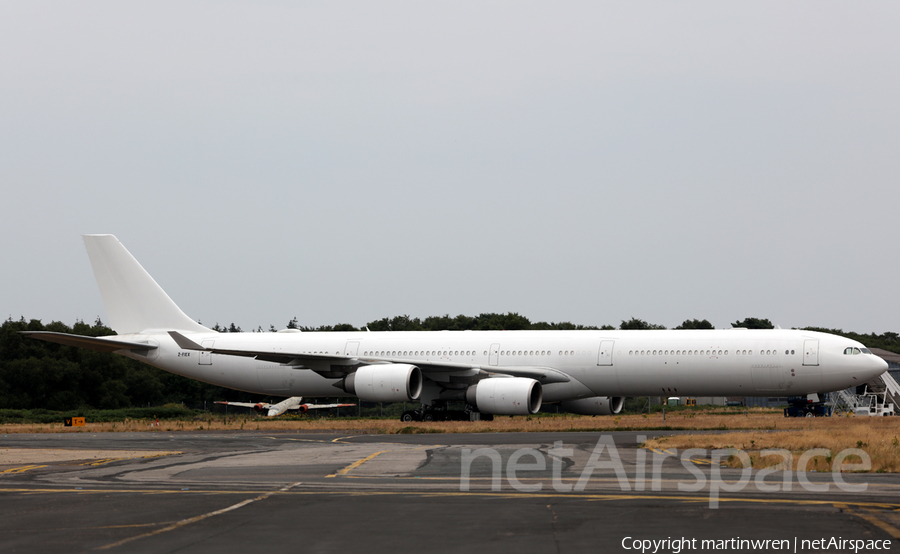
(262, 405)
(100, 344)
(323, 362)
(321, 406)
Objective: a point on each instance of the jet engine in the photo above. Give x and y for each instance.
(595, 405)
(259, 408)
(506, 396)
(385, 383)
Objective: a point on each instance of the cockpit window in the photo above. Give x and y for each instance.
(853, 350)
(866, 351)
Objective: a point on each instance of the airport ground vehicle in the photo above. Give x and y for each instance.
(873, 405)
(803, 406)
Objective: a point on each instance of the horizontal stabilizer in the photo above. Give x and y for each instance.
(184, 342)
(296, 358)
(91, 343)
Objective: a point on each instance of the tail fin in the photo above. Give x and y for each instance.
(134, 301)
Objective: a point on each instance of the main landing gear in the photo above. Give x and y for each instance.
(440, 412)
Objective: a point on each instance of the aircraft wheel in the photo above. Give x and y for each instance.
(810, 414)
(407, 417)
(428, 417)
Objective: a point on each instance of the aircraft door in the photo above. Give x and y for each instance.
(352, 348)
(206, 357)
(811, 352)
(495, 354)
(606, 352)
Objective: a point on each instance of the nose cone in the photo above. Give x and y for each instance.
(878, 366)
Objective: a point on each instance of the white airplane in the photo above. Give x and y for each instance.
(495, 372)
(292, 403)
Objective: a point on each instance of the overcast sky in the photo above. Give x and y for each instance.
(343, 162)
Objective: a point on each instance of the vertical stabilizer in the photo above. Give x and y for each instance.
(134, 301)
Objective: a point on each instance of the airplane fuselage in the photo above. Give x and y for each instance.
(735, 362)
(494, 372)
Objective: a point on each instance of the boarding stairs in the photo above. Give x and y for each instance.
(880, 396)
(844, 401)
(887, 388)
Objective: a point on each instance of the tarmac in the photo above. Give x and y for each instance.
(504, 492)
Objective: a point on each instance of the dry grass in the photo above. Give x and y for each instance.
(699, 419)
(878, 437)
(760, 429)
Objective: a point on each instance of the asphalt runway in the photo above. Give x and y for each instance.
(516, 492)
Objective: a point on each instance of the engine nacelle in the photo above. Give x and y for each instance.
(595, 405)
(258, 408)
(506, 396)
(385, 383)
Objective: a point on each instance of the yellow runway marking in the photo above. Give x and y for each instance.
(21, 469)
(869, 506)
(869, 515)
(195, 519)
(667, 452)
(296, 440)
(356, 464)
(102, 461)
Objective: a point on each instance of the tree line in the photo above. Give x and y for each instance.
(36, 374)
